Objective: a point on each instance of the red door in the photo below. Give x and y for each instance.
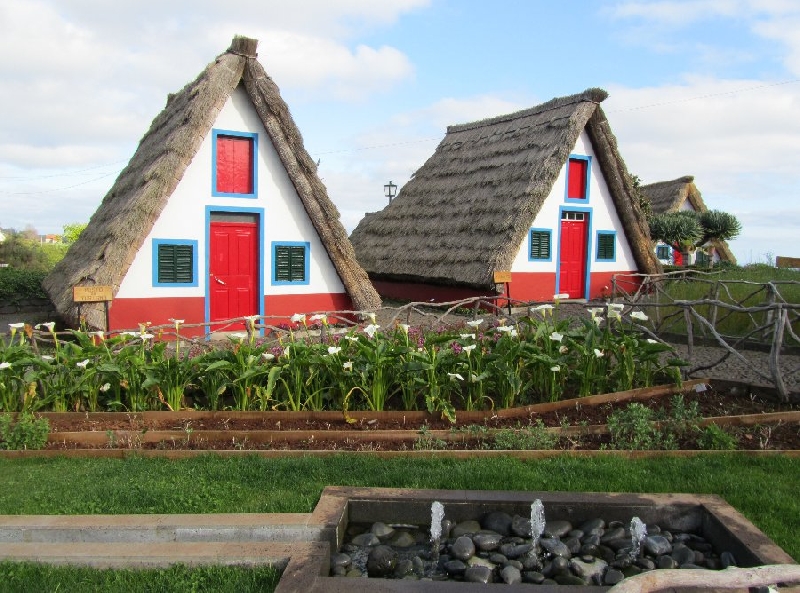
(572, 254)
(233, 268)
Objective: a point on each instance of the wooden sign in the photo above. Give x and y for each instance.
(502, 277)
(91, 294)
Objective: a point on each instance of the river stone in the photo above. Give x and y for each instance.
(340, 559)
(487, 541)
(592, 539)
(381, 530)
(516, 564)
(366, 539)
(557, 565)
(615, 533)
(532, 576)
(573, 545)
(576, 533)
(666, 562)
(382, 561)
(682, 554)
(606, 553)
(511, 575)
(520, 526)
(402, 539)
(557, 528)
(464, 528)
(478, 574)
(498, 522)
(587, 570)
(727, 559)
(613, 576)
(656, 545)
(478, 561)
(514, 551)
(645, 564)
(455, 568)
(555, 547)
(418, 566)
(354, 573)
(569, 579)
(498, 558)
(403, 569)
(592, 524)
(589, 549)
(339, 571)
(463, 548)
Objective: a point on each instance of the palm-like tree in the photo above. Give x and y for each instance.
(689, 229)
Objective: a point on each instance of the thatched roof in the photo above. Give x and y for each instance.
(107, 247)
(670, 196)
(466, 211)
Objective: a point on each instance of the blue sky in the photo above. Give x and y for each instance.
(709, 88)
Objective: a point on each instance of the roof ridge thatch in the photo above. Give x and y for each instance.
(466, 211)
(116, 231)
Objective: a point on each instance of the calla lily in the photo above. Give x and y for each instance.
(470, 348)
(563, 349)
(348, 366)
(319, 317)
(504, 328)
(404, 326)
(105, 387)
(334, 349)
(268, 355)
(82, 364)
(556, 337)
(475, 322)
(598, 353)
(371, 329)
(235, 336)
(298, 318)
(16, 325)
(513, 332)
(543, 309)
(146, 337)
(555, 369)
(49, 326)
(371, 318)
(455, 376)
(652, 341)
(466, 336)
(595, 311)
(4, 365)
(639, 315)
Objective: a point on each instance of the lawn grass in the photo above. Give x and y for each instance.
(764, 489)
(24, 577)
(787, 283)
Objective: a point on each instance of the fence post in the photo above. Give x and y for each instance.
(714, 308)
(777, 341)
(687, 316)
(770, 318)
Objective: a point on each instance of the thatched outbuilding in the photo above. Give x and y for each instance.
(681, 194)
(542, 193)
(220, 213)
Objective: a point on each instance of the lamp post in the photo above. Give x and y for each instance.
(390, 191)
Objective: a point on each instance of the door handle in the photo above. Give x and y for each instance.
(219, 281)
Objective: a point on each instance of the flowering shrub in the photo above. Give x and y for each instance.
(483, 364)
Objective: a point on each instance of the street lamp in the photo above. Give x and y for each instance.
(390, 191)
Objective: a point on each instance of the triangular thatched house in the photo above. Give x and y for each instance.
(542, 193)
(219, 214)
(681, 194)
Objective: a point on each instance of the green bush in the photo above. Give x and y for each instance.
(17, 284)
(633, 428)
(716, 438)
(534, 437)
(27, 433)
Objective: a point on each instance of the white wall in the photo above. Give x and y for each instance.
(184, 217)
(603, 218)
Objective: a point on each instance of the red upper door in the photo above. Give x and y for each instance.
(572, 254)
(233, 267)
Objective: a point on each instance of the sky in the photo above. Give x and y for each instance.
(709, 88)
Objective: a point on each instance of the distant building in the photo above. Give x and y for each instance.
(673, 196)
(542, 193)
(219, 214)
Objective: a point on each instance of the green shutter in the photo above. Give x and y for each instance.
(605, 246)
(175, 264)
(540, 245)
(290, 263)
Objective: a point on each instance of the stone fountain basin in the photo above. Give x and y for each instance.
(707, 515)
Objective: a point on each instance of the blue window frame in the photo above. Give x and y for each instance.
(540, 245)
(290, 262)
(174, 262)
(220, 135)
(579, 172)
(663, 252)
(606, 246)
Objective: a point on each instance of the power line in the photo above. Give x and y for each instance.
(48, 191)
(65, 174)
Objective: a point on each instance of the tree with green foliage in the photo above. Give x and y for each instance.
(72, 231)
(23, 250)
(690, 230)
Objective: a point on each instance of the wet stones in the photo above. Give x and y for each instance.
(497, 549)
